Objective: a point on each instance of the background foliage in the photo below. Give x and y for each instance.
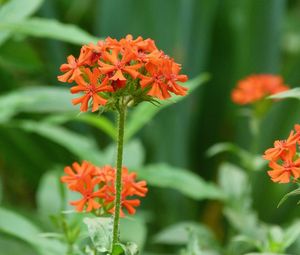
(223, 40)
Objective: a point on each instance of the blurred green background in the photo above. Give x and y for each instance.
(228, 39)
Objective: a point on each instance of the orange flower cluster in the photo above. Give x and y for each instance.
(129, 64)
(284, 159)
(256, 87)
(97, 187)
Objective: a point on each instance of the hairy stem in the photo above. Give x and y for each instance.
(118, 183)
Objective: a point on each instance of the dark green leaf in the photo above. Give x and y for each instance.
(143, 113)
(295, 192)
(83, 147)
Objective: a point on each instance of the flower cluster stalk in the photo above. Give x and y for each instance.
(118, 183)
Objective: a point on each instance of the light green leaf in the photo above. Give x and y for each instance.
(236, 187)
(248, 160)
(83, 147)
(98, 121)
(48, 28)
(233, 181)
(1, 191)
(291, 234)
(48, 194)
(16, 11)
(128, 249)
(295, 192)
(19, 227)
(186, 182)
(266, 253)
(143, 113)
(36, 100)
(134, 154)
(13, 246)
(100, 232)
(129, 229)
(291, 93)
(195, 247)
(131, 249)
(179, 233)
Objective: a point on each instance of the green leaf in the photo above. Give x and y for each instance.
(100, 232)
(1, 191)
(184, 181)
(13, 246)
(98, 121)
(195, 247)
(48, 28)
(248, 160)
(143, 113)
(134, 154)
(179, 233)
(266, 253)
(81, 146)
(129, 229)
(16, 11)
(295, 192)
(233, 181)
(48, 194)
(128, 249)
(291, 93)
(19, 227)
(235, 185)
(20, 56)
(291, 234)
(35, 100)
(131, 249)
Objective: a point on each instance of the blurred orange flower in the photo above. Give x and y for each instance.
(256, 87)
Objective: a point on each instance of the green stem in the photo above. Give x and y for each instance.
(118, 184)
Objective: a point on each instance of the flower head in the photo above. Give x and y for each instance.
(284, 159)
(114, 69)
(97, 187)
(256, 87)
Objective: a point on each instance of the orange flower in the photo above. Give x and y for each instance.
(163, 78)
(86, 188)
(281, 148)
(116, 67)
(282, 173)
(77, 172)
(134, 65)
(91, 90)
(129, 188)
(97, 187)
(284, 161)
(256, 87)
(72, 69)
